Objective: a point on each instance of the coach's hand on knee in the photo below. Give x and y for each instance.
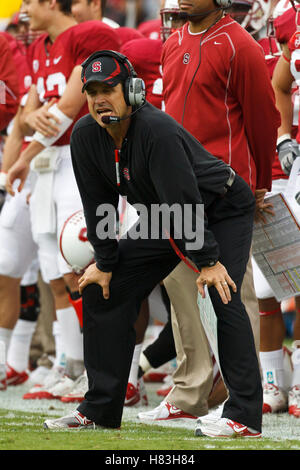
(216, 276)
(93, 275)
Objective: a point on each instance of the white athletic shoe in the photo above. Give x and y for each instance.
(167, 387)
(136, 396)
(3, 384)
(78, 391)
(38, 375)
(62, 387)
(75, 420)
(164, 412)
(212, 416)
(274, 399)
(294, 393)
(225, 427)
(42, 391)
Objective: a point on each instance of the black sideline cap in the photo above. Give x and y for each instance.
(105, 70)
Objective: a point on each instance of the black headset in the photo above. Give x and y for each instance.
(134, 87)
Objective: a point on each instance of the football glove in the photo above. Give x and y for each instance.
(287, 154)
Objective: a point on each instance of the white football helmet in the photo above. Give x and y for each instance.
(281, 7)
(170, 20)
(257, 15)
(74, 245)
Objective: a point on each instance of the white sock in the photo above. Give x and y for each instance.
(70, 331)
(19, 348)
(296, 367)
(133, 375)
(5, 337)
(144, 363)
(60, 353)
(272, 367)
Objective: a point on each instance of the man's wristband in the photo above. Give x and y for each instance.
(283, 138)
(65, 123)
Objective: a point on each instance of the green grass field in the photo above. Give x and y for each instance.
(21, 428)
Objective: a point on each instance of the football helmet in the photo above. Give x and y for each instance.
(256, 14)
(281, 7)
(74, 245)
(170, 20)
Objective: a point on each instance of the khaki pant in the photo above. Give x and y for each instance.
(194, 374)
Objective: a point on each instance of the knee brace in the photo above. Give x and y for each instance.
(30, 303)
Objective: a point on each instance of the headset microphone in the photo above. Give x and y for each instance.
(112, 119)
(116, 119)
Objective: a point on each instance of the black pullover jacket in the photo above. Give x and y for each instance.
(160, 163)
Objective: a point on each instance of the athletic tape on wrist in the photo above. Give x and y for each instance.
(282, 138)
(65, 123)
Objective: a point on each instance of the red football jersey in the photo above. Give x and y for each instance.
(52, 64)
(285, 26)
(9, 86)
(128, 34)
(209, 90)
(150, 29)
(144, 54)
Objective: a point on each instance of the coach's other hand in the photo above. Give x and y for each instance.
(216, 276)
(93, 275)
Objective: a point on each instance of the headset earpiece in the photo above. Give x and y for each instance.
(134, 92)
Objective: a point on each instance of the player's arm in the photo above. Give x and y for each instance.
(36, 117)
(13, 144)
(65, 110)
(29, 119)
(73, 99)
(282, 84)
(12, 149)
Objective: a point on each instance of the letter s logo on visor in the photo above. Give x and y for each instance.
(97, 67)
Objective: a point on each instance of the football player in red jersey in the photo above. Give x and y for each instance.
(145, 54)
(18, 252)
(56, 76)
(280, 393)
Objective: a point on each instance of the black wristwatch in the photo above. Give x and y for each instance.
(212, 263)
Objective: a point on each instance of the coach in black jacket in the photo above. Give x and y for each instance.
(142, 153)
